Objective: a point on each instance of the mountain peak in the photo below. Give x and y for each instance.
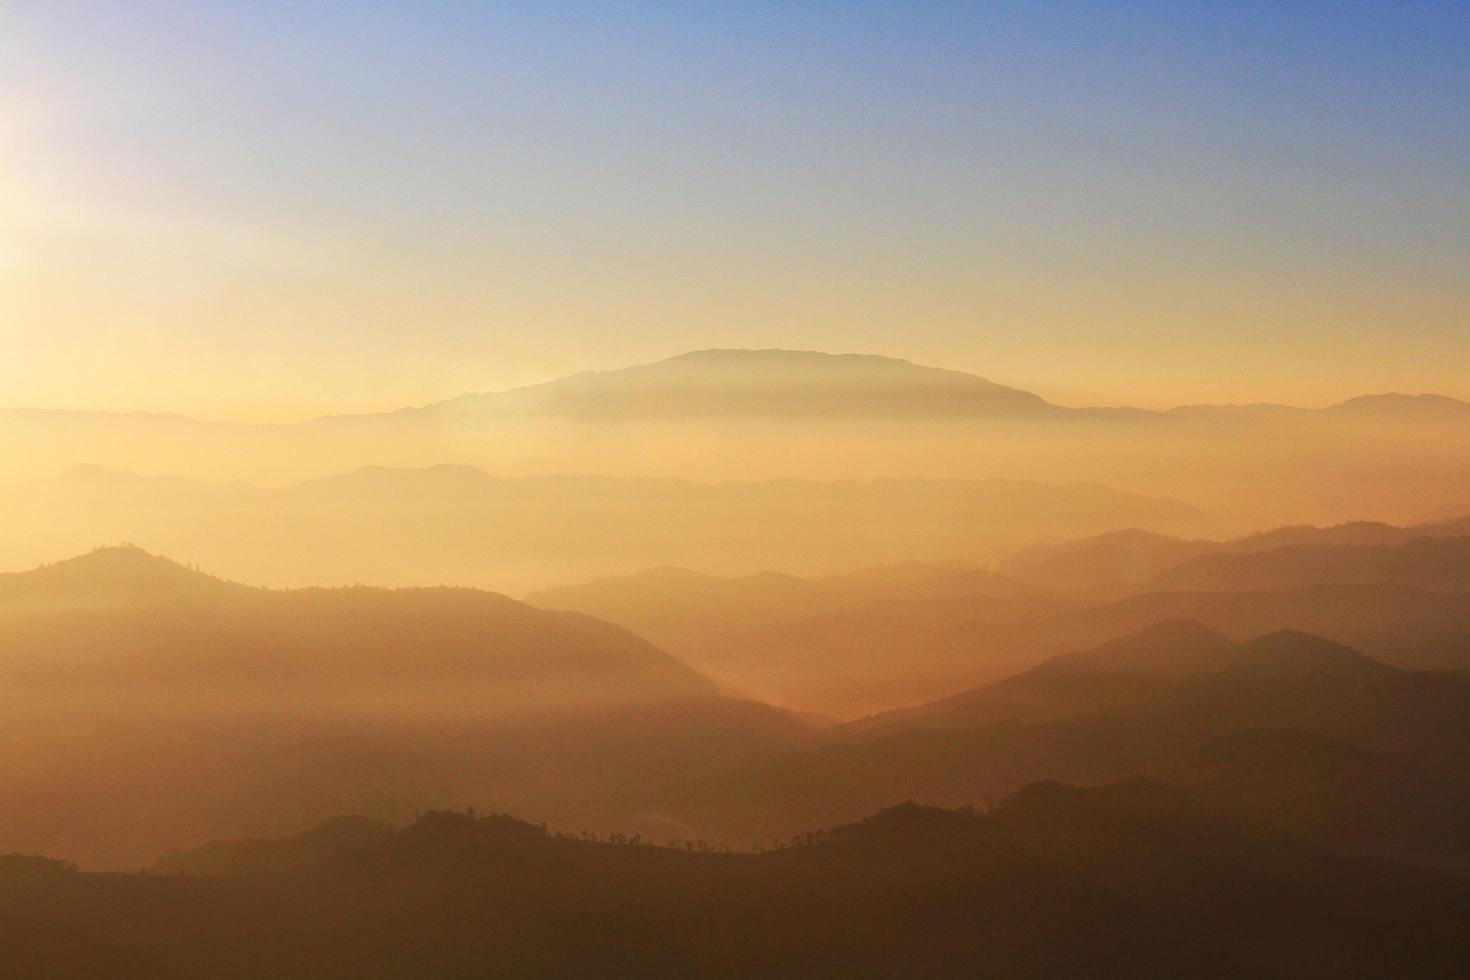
(1290, 652)
(119, 573)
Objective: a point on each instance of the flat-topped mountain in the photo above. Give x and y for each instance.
(741, 415)
(758, 383)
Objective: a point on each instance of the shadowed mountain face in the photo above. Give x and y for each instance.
(1124, 880)
(126, 632)
(148, 706)
(1167, 702)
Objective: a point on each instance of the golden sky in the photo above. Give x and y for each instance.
(260, 211)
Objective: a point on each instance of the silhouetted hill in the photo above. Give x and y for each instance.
(1131, 879)
(109, 576)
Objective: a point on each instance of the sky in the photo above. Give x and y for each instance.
(272, 210)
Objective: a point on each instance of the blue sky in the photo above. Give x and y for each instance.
(270, 209)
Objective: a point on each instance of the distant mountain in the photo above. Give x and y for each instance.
(1124, 557)
(846, 648)
(733, 415)
(838, 645)
(756, 384)
(1131, 879)
(1440, 564)
(1400, 624)
(1394, 404)
(1132, 558)
(461, 525)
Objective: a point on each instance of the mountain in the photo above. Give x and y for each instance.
(1118, 674)
(848, 647)
(107, 577)
(460, 525)
(1124, 557)
(1155, 704)
(718, 416)
(1438, 564)
(1133, 558)
(1395, 404)
(1401, 624)
(137, 631)
(755, 384)
(146, 706)
(838, 645)
(1134, 878)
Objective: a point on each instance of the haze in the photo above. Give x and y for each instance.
(734, 490)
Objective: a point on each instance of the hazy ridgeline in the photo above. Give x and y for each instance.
(717, 416)
(944, 610)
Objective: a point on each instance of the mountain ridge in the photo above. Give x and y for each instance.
(715, 360)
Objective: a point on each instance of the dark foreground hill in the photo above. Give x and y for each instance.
(1126, 880)
(1289, 730)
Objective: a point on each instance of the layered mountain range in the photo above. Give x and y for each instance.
(739, 415)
